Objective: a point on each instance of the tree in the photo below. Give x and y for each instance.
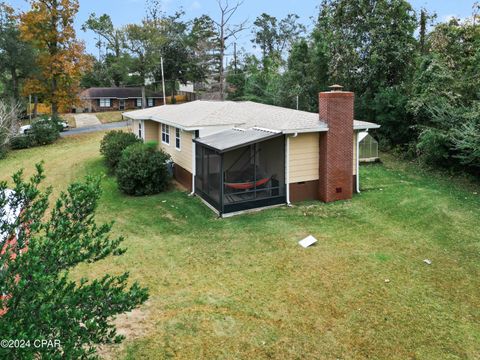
(42, 301)
(8, 125)
(275, 37)
(143, 41)
(16, 56)
(112, 64)
(205, 43)
(48, 26)
(371, 45)
(225, 32)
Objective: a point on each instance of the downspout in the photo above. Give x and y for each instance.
(287, 167)
(357, 160)
(194, 165)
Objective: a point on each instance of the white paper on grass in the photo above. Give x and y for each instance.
(309, 240)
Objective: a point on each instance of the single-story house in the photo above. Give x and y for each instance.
(98, 99)
(244, 155)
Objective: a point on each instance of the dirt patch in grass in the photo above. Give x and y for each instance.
(109, 116)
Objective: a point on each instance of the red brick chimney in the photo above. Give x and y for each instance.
(336, 145)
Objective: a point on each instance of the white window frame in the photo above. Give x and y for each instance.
(165, 134)
(178, 139)
(150, 102)
(139, 102)
(140, 129)
(105, 102)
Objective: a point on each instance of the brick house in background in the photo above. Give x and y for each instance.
(116, 99)
(245, 155)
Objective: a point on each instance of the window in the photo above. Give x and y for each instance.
(150, 102)
(105, 102)
(177, 139)
(139, 102)
(166, 134)
(140, 129)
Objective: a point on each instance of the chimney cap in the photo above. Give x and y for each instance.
(335, 87)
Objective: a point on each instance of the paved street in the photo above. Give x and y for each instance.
(94, 128)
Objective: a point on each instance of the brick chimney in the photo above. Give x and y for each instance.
(336, 145)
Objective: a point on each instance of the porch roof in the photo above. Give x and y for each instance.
(235, 138)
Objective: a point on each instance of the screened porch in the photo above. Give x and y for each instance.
(241, 169)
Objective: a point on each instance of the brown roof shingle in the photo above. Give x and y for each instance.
(117, 93)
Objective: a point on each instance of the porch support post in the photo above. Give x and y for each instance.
(194, 164)
(287, 168)
(222, 186)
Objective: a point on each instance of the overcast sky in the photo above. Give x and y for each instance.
(131, 11)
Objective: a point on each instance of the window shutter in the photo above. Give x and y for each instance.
(98, 102)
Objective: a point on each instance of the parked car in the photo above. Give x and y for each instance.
(62, 126)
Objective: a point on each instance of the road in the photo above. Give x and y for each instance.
(94, 128)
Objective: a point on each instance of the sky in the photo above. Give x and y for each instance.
(130, 11)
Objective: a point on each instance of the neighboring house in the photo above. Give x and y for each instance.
(116, 98)
(245, 155)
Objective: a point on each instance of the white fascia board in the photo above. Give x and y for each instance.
(366, 127)
(301, 131)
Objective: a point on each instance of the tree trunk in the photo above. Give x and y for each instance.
(15, 91)
(53, 96)
(35, 106)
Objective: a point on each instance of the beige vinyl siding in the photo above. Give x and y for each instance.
(151, 130)
(304, 157)
(135, 126)
(182, 157)
(355, 153)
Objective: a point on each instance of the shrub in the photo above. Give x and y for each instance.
(142, 170)
(112, 145)
(45, 130)
(22, 142)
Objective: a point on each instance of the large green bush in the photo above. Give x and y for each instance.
(45, 130)
(142, 170)
(112, 145)
(22, 142)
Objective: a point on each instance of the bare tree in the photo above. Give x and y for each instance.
(226, 31)
(8, 123)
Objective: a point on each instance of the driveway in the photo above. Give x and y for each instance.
(94, 128)
(86, 120)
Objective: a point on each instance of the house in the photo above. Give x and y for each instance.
(244, 155)
(116, 98)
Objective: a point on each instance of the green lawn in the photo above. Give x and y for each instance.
(242, 288)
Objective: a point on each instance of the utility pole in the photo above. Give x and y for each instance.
(163, 81)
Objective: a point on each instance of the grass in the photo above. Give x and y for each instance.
(109, 116)
(242, 287)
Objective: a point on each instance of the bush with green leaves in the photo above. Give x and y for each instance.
(112, 145)
(22, 142)
(142, 170)
(42, 301)
(45, 130)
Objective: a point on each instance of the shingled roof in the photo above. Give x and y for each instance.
(117, 93)
(242, 114)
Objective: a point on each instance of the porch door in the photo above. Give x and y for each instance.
(121, 104)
